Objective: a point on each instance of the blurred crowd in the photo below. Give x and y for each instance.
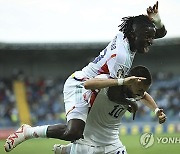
(45, 100)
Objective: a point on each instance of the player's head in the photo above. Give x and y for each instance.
(139, 89)
(116, 93)
(140, 32)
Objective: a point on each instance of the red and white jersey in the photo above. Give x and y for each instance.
(116, 59)
(103, 121)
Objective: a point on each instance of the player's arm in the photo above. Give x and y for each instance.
(99, 83)
(153, 14)
(149, 101)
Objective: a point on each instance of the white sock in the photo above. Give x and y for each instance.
(36, 132)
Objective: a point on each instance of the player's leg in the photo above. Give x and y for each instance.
(71, 131)
(76, 112)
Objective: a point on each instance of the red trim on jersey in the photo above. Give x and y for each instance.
(104, 69)
(93, 97)
(112, 56)
(70, 110)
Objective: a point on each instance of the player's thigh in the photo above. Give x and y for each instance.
(120, 150)
(81, 149)
(75, 104)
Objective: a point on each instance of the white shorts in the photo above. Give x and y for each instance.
(76, 98)
(88, 149)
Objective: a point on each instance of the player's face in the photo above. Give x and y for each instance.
(138, 90)
(143, 38)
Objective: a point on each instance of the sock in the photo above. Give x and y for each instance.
(36, 132)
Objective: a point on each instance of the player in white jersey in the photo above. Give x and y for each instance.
(136, 35)
(101, 133)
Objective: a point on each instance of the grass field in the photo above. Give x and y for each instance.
(44, 146)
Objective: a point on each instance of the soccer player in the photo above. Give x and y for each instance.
(101, 133)
(136, 35)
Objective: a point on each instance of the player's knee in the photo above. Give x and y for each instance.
(74, 134)
(75, 128)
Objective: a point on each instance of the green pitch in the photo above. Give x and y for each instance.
(44, 146)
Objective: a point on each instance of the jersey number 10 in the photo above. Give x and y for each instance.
(116, 111)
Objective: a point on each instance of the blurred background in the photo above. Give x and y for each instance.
(32, 78)
(43, 42)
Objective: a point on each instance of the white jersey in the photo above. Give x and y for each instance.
(103, 121)
(116, 59)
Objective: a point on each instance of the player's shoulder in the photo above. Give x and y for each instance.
(120, 36)
(121, 43)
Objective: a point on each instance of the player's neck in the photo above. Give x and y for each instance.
(115, 93)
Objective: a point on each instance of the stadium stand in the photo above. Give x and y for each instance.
(44, 67)
(45, 100)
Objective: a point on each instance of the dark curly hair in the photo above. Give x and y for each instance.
(141, 71)
(127, 25)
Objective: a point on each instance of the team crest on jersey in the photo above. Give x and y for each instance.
(120, 73)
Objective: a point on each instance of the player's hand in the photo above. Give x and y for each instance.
(153, 14)
(161, 116)
(132, 106)
(152, 11)
(133, 80)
